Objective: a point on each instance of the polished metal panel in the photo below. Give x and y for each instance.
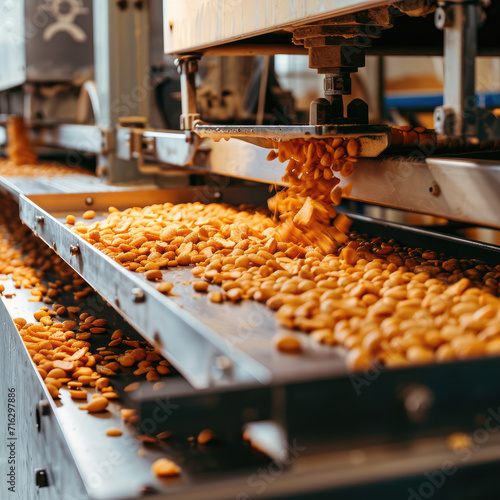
(193, 25)
(45, 41)
(3, 135)
(12, 44)
(168, 147)
(86, 138)
(172, 147)
(243, 160)
(69, 183)
(457, 189)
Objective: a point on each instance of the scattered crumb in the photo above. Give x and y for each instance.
(205, 436)
(165, 468)
(113, 432)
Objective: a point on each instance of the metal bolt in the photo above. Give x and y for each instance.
(89, 200)
(74, 249)
(138, 295)
(444, 120)
(443, 18)
(222, 366)
(435, 190)
(157, 340)
(192, 66)
(41, 479)
(44, 407)
(418, 400)
(40, 219)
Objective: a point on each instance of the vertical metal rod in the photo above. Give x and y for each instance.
(460, 49)
(121, 74)
(381, 112)
(188, 66)
(188, 93)
(264, 77)
(29, 103)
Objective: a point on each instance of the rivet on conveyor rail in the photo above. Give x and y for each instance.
(157, 340)
(41, 479)
(40, 219)
(222, 367)
(89, 200)
(42, 410)
(74, 250)
(138, 295)
(434, 189)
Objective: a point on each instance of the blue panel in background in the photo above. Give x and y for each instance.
(430, 101)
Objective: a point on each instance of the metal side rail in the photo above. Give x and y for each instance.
(463, 189)
(58, 184)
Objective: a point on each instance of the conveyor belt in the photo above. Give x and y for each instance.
(83, 464)
(187, 328)
(194, 331)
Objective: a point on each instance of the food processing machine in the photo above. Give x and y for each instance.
(320, 429)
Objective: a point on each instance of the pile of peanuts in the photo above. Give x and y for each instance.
(61, 351)
(149, 239)
(305, 206)
(408, 136)
(381, 301)
(40, 169)
(22, 159)
(59, 341)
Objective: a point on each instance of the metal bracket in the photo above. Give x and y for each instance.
(187, 66)
(459, 117)
(164, 146)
